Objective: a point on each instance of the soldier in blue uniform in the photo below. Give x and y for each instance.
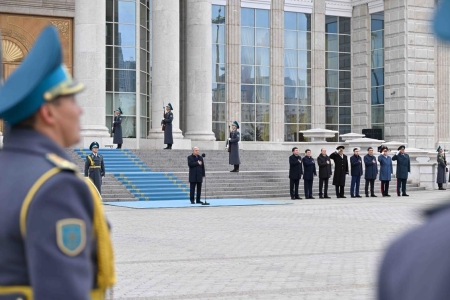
(403, 168)
(168, 118)
(356, 171)
(371, 172)
(117, 129)
(441, 169)
(309, 171)
(54, 238)
(295, 173)
(385, 170)
(94, 168)
(233, 143)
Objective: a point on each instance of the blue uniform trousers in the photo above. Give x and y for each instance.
(308, 188)
(401, 184)
(354, 187)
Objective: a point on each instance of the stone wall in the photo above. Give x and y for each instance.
(56, 8)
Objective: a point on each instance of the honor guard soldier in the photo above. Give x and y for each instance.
(54, 238)
(233, 144)
(403, 168)
(117, 129)
(442, 168)
(340, 170)
(94, 168)
(168, 118)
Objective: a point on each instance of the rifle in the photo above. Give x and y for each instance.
(163, 123)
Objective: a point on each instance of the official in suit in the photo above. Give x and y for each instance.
(168, 119)
(371, 172)
(309, 171)
(54, 237)
(196, 174)
(94, 167)
(295, 173)
(324, 162)
(117, 129)
(357, 172)
(340, 170)
(403, 168)
(385, 170)
(233, 143)
(441, 169)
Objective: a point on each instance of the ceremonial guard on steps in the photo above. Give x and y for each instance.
(385, 170)
(168, 119)
(295, 173)
(441, 169)
(94, 168)
(117, 129)
(371, 172)
(233, 144)
(54, 238)
(324, 162)
(340, 170)
(403, 168)
(357, 171)
(309, 171)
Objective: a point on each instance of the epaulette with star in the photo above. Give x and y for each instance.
(61, 163)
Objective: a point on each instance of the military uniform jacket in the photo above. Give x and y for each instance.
(324, 167)
(340, 168)
(403, 165)
(370, 163)
(94, 168)
(441, 173)
(385, 167)
(233, 157)
(168, 136)
(309, 168)
(295, 167)
(196, 171)
(417, 265)
(356, 163)
(117, 123)
(51, 244)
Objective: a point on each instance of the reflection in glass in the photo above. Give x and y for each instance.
(144, 129)
(344, 25)
(247, 55)
(345, 97)
(247, 36)
(343, 129)
(291, 113)
(345, 80)
(377, 95)
(109, 122)
(127, 102)
(109, 34)
(262, 75)
(125, 81)
(378, 114)
(331, 115)
(331, 60)
(331, 78)
(218, 34)
(304, 22)
(290, 20)
(290, 95)
(109, 57)
(262, 94)
(125, 12)
(247, 93)
(331, 97)
(290, 76)
(143, 83)
(378, 58)
(109, 104)
(218, 14)
(248, 112)
(290, 132)
(218, 92)
(248, 17)
(262, 56)
(377, 76)
(304, 96)
(345, 43)
(304, 40)
(248, 132)
(248, 74)
(304, 77)
(304, 59)
(262, 37)
(219, 131)
(304, 114)
(218, 54)
(124, 58)
(331, 42)
(377, 21)
(143, 61)
(109, 11)
(290, 39)
(125, 35)
(330, 24)
(262, 113)
(302, 127)
(262, 132)
(218, 73)
(345, 115)
(218, 112)
(377, 40)
(262, 18)
(345, 61)
(290, 59)
(109, 80)
(129, 127)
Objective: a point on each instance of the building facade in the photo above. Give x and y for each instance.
(278, 67)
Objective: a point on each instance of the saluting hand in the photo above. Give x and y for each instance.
(199, 162)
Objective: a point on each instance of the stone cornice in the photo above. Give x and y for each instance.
(342, 8)
(304, 6)
(376, 6)
(219, 2)
(264, 4)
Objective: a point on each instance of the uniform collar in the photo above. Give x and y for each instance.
(32, 142)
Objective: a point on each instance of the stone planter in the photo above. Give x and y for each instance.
(319, 134)
(351, 136)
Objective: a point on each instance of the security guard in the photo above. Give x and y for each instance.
(54, 238)
(94, 168)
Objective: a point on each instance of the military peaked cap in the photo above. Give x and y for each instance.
(235, 123)
(94, 145)
(169, 106)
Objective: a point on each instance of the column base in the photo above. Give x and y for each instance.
(159, 134)
(91, 133)
(200, 136)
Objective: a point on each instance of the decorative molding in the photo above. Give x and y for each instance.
(304, 6)
(219, 2)
(18, 37)
(63, 26)
(376, 6)
(11, 51)
(263, 4)
(341, 8)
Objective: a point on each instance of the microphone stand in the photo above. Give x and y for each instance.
(204, 203)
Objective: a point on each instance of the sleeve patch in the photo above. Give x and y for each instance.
(71, 236)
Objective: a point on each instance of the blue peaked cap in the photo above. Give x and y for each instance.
(442, 20)
(94, 144)
(39, 79)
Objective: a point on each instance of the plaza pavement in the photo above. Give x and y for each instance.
(310, 250)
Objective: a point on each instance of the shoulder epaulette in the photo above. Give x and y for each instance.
(61, 163)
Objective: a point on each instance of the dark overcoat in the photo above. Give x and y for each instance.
(370, 163)
(233, 156)
(417, 265)
(196, 171)
(385, 167)
(36, 257)
(356, 163)
(295, 167)
(340, 168)
(94, 168)
(168, 136)
(441, 174)
(117, 124)
(403, 165)
(309, 168)
(324, 167)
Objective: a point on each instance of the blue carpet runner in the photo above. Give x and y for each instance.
(144, 184)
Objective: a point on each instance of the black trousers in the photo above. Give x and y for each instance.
(401, 184)
(119, 146)
(308, 188)
(199, 190)
(339, 190)
(293, 187)
(372, 183)
(323, 184)
(385, 187)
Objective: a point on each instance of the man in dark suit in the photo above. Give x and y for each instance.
(403, 168)
(295, 173)
(94, 167)
(371, 172)
(324, 173)
(357, 171)
(196, 174)
(340, 170)
(309, 171)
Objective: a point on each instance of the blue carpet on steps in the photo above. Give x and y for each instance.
(184, 204)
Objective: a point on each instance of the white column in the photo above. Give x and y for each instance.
(198, 71)
(89, 68)
(166, 66)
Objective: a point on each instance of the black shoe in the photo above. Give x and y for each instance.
(198, 202)
(398, 195)
(358, 196)
(233, 171)
(292, 198)
(338, 197)
(442, 189)
(326, 197)
(312, 197)
(367, 195)
(320, 197)
(387, 195)
(373, 195)
(166, 148)
(342, 197)
(298, 198)
(192, 202)
(352, 196)
(405, 195)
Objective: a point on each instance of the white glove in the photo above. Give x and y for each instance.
(397, 152)
(229, 139)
